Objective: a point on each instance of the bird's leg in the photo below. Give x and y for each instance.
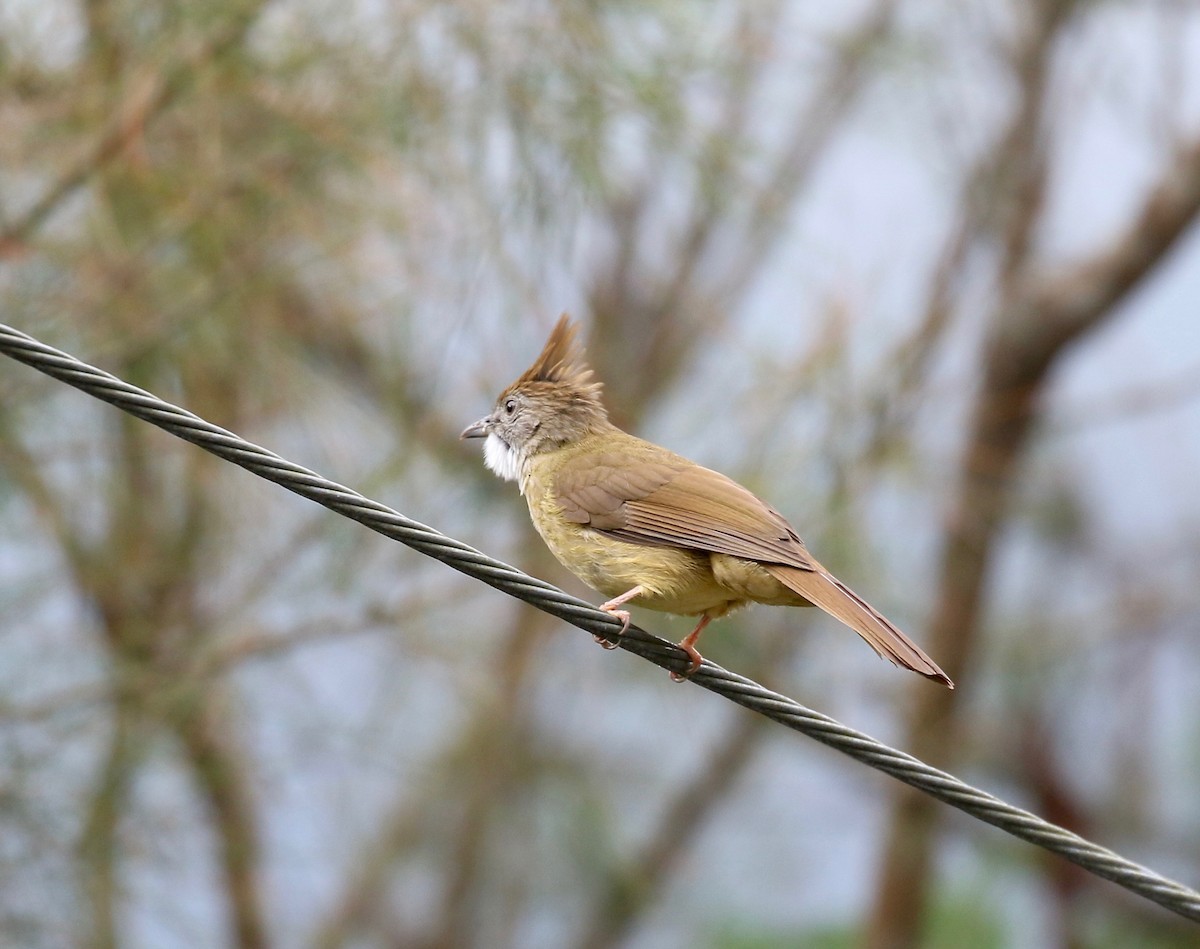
(688, 645)
(622, 615)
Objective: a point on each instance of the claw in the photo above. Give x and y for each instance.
(623, 616)
(697, 661)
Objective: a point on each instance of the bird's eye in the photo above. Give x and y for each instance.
(509, 407)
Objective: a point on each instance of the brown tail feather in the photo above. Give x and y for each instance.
(838, 600)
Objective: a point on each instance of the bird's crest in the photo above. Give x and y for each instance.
(563, 362)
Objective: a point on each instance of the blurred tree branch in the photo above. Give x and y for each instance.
(655, 315)
(1039, 317)
(631, 890)
(153, 92)
(221, 776)
(497, 745)
(98, 850)
(270, 212)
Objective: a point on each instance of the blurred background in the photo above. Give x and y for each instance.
(921, 274)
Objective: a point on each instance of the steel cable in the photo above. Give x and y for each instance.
(945, 787)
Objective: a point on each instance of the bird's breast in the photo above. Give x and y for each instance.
(677, 580)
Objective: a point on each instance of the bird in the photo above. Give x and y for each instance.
(645, 526)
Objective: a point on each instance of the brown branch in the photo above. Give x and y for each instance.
(1056, 802)
(1004, 192)
(1018, 165)
(221, 778)
(898, 395)
(98, 843)
(1060, 308)
(996, 190)
(22, 467)
(152, 95)
(717, 159)
(634, 312)
(486, 741)
(498, 766)
(812, 131)
(632, 889)
(1028, 334)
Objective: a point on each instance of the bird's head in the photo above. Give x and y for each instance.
(554, 402)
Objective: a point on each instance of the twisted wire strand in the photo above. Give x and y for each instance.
(912, 771)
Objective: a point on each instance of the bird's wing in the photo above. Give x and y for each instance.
(672, 502)
(675, 503)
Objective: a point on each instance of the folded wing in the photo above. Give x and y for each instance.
(671, 502)
(676, 503)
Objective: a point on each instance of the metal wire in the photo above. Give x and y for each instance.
(945, 787)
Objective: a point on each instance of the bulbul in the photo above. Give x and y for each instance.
(644, 525)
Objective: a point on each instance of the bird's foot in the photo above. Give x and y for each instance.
(697, 661)
(688, 645)
(623, 616)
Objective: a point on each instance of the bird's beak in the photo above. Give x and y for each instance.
(478, 430)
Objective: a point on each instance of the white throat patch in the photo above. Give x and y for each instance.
(498, 456)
